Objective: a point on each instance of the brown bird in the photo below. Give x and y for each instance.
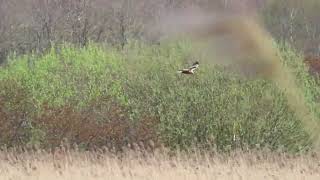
(191, 69)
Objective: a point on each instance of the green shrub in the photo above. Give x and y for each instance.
(69, 86)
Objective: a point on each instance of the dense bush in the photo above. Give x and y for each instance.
(97, 96)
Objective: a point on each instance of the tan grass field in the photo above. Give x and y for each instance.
(67, 165)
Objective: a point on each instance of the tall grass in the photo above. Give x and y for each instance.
(70, 164)
(96, 96)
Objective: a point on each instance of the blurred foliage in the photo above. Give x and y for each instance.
(295, 22)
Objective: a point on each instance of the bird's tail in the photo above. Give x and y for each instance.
(180, 71)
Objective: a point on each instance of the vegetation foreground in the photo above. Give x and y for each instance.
(64, 164)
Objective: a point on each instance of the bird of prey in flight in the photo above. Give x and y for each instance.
(191, 69)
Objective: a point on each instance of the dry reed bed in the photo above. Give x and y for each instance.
(63, 164)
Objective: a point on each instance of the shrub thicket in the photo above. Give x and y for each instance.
(96, 96)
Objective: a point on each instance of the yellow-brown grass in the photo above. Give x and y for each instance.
(158, 165)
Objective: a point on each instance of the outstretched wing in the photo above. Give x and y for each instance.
(183, 70)
(195, 66)
(190, 70)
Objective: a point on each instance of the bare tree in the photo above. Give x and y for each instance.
(34, 25)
